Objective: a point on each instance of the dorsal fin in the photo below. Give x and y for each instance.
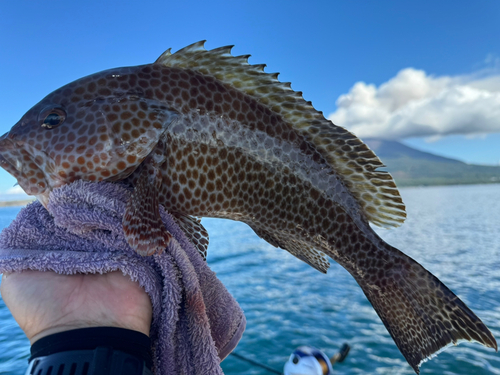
(348, 155)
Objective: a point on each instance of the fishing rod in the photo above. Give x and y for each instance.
(255, 363)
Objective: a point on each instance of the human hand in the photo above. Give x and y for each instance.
(44, 303)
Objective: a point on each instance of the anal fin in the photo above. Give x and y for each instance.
(142, 224)
(301, 249)
(194, 231)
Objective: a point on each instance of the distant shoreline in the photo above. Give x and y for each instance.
(23, 202)
(400, 184)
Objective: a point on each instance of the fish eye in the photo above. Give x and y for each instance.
(54, 118)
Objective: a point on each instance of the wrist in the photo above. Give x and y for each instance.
(78, 325)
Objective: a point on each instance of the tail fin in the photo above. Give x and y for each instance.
(422, 315)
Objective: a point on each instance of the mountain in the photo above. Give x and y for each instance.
(411, 167)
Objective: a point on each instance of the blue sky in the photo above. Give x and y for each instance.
(346, 57)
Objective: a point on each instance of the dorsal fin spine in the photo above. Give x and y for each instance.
(355, 163)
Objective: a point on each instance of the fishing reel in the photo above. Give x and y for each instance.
(307, 360)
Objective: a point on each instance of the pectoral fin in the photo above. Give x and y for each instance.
(142, 225)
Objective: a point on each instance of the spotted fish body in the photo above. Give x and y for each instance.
(205, 134)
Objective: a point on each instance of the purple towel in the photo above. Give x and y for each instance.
(196, 322)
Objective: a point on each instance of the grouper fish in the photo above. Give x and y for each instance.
(206, 134)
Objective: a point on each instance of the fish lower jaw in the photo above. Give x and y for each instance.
(39, 189)
(34, 186)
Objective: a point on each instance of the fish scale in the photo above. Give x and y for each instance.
(205, 134)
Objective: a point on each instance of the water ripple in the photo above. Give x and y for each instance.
(452, 231)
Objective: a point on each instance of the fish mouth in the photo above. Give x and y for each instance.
(16, 159)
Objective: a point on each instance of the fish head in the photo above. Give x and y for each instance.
(100, 127)
(22, 154)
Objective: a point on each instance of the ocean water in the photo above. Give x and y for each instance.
(453, 231)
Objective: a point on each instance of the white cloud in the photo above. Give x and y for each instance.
(14, 194)
(15, 190)
(414, 104)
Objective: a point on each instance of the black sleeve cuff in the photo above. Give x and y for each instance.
(131, 342)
